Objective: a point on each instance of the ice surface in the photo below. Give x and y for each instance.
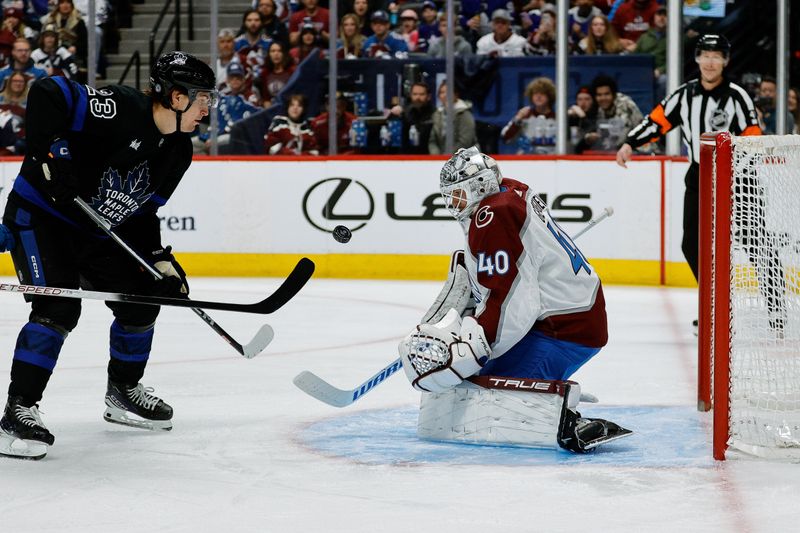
(250, 452)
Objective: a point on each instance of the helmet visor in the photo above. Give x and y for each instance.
(206, 98)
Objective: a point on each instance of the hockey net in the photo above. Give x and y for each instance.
(749, 319)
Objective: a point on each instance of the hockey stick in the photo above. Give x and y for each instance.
(323, 391)
(299, 276)
(607, 212)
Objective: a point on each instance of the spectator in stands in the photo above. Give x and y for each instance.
(361, 10)
(318, 16)
(308, 43)
(251, 46)
(351, 41)
(344, 120)
(428, 26)
(582, 119)
(282, 11)
(417, 117)
(408, 29)
(278, 68)
(101, 22)
(632, 19)
(71, 30)
(654, 42)
(502, 42)
(13, 23)
(21, 62)
(15, 91)
(273, 27)
(463, 123)
(460, 45)
(55, 60)
(543, 39)
(534, 125)
(475, 23)
(580, 17)
(617, 114)
(235, 104)
(382, 43)
(793, 98)
(13, 101)
(237, 84)
(601, 39)
(765, 107)
(291, 134)
(225, 54)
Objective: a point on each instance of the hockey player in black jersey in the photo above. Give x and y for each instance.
(123, 152)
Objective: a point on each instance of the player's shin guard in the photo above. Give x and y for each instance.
(130, 349)
(35, 357)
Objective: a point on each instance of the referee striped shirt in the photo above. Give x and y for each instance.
(727, 107)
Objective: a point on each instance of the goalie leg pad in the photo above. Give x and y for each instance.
(506, 411)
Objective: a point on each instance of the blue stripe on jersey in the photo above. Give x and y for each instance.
(158, 200)
(28, 192)
(35, 267)
(22, 218)
(64, 85)
(80, 108)
(131, 347)
(38, 345)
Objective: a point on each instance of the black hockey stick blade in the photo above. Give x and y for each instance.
(289, 288)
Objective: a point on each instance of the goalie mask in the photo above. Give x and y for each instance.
(467, 178)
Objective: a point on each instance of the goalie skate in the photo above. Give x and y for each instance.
(136, 407)
(22, 432)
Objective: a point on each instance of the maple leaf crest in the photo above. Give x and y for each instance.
(117, 197)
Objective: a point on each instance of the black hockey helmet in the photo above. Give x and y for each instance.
(185, 71)
(713, 43)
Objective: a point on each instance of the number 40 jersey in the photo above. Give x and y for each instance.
(527, 274)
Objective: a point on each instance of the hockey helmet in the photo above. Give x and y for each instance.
(184, 71)
(468, 177)
(713, 43)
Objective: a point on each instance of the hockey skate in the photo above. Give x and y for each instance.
(22, 432)
(582, 435)
(136, 407)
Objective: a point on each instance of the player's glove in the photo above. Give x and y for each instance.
(437, 357)
(60, 180)
(173, 284)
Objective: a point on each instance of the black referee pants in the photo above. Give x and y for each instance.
(691, 218)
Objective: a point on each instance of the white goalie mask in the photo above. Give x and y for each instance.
(467, 178)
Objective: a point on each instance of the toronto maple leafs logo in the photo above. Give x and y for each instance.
(118, 198)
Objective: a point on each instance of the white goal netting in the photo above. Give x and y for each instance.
(764, 384)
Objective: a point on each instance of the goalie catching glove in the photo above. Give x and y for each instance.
(173, 284)
(437, 357)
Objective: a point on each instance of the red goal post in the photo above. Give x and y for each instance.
(749, 310)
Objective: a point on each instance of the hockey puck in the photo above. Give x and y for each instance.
(342, 234)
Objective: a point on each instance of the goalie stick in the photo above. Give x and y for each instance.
(299, 276)
(323, 391)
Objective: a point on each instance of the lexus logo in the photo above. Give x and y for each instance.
(320, 204)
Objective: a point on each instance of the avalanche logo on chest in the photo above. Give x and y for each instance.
(118, 198)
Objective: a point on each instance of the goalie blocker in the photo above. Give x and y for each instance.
(514, 411)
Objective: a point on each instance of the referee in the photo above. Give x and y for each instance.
(710, 103)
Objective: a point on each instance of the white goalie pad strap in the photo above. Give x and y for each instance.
(519, 412)
(455, 294)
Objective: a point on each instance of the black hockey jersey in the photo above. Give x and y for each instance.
(127, 168)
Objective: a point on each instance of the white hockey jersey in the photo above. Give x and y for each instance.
(526, 273)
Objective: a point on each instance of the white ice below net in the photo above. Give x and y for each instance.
(765, 359)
